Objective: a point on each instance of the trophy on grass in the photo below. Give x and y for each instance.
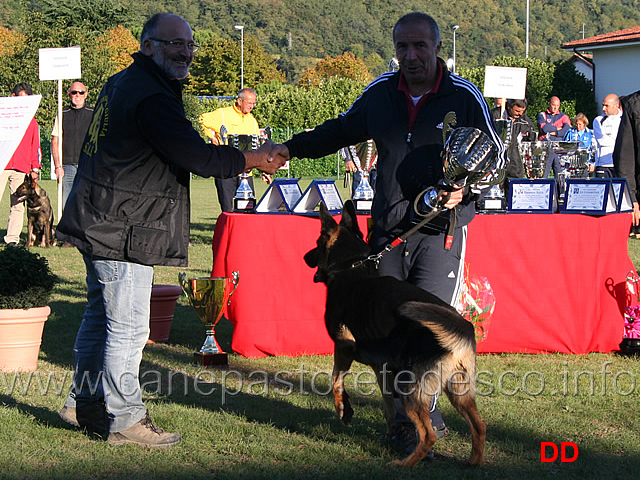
(534, 158)
(209, 297)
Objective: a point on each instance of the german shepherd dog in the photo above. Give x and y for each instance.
(408, 336)
(40, 229)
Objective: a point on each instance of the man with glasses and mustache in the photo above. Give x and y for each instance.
(76, 118)
(128, 210)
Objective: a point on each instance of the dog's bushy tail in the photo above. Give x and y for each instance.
(451, 330)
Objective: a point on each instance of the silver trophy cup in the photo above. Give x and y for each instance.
(363, 194)
(470, 158)
(244, 199)
(534, 158)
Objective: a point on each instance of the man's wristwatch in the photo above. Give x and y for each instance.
(37, 170)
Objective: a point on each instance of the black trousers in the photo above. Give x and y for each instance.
(605, 172)
(423, 261)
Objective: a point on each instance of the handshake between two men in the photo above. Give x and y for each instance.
(268, 158)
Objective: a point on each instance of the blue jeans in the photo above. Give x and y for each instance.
(67, 181)
(108, 347)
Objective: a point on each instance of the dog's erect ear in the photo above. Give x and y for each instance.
(328, 223)
(311, 258)
(349, 218)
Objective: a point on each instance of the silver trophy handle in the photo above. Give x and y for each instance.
(495, 177)
(223, 135)
(449, 124)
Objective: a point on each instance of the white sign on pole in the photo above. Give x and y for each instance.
(59, 63)
(505, 82)
(15, 115)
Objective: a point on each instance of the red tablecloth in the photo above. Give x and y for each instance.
(558, 281)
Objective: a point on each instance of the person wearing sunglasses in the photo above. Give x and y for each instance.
(76, 118)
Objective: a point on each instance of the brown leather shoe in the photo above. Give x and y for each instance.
(69, 415)
(146, 434)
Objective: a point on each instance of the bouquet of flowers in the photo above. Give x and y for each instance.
(632, 313)
(632, 322)
(477, 303)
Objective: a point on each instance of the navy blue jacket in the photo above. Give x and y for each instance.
(130, 199)
(408, 159)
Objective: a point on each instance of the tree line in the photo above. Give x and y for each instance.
(297, 33)
(325, 88)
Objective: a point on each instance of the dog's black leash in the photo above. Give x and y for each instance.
(402, 238)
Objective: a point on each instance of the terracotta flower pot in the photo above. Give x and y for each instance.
(20, 338)
(163, 304)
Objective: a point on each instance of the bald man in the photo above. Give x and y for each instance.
(605, 131)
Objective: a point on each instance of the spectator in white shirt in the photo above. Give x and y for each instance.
(605, 130)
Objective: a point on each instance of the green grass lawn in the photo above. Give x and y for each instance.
(244, 423)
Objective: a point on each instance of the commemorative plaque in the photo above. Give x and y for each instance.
(532, 196)
(594, 196)
(623, 195)
(317, 191)
(280, 197)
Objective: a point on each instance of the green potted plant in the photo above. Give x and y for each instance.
(26, 284)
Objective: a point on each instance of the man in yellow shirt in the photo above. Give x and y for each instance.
(237, 119)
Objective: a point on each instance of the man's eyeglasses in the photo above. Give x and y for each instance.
(77, 92)
(178, 44)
